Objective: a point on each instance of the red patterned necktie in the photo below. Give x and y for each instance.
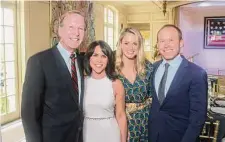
(74, 73)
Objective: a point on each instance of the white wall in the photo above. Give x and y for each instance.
(37, 26)
(192, 26)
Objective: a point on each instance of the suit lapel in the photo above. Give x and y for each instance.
(177, 79)
(64, 72)
(80, 67)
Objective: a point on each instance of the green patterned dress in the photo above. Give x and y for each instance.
(138, 100)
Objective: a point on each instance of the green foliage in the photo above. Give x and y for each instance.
(3, 105)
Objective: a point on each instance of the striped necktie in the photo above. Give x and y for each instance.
(74, 73)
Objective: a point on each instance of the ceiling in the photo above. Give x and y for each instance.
(170, 3)
(135, 3)
(206, 4)
(127, 3)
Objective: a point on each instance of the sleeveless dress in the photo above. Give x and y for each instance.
(138, 100)
(100, 124)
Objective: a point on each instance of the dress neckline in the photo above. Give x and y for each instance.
(105, 77)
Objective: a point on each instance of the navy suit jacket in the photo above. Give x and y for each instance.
(182, 114)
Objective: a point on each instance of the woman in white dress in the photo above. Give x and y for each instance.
(104, 102)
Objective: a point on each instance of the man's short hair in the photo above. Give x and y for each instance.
(171, 26)
(62, 17)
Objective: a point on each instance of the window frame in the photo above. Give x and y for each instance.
(113, 25)
(15, 114)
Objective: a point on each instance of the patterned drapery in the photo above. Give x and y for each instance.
(60, 7)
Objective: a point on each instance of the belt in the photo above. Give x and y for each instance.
(101, 118)
(133, 107)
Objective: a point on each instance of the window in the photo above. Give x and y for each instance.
(146, 36)
(9, 98)
(110, 26)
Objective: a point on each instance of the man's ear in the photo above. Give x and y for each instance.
(157, 45)
(85, 33)
(181, 43)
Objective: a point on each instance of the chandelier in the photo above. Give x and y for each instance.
(164, 6)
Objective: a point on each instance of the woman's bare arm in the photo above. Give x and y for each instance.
(120, 109)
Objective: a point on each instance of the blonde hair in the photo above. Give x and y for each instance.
(140, 58)
(63, 16)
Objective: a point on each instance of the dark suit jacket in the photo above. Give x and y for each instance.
(50, 108)
(182, 114)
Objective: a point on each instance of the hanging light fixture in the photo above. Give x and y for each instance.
(164, 7)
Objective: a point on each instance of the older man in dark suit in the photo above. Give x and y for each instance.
(53, 88)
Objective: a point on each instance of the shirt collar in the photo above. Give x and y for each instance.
(175, 62)
(66, 54)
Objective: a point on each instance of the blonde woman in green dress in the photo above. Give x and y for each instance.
(135, 73)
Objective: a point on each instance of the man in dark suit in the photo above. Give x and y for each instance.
(179, 105)
(53, 89)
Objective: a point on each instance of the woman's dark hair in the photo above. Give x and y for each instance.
(110, 67)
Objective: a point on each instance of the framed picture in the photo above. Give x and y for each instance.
(214, 32)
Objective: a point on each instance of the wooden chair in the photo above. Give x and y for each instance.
(219, 87)
(210, 130)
